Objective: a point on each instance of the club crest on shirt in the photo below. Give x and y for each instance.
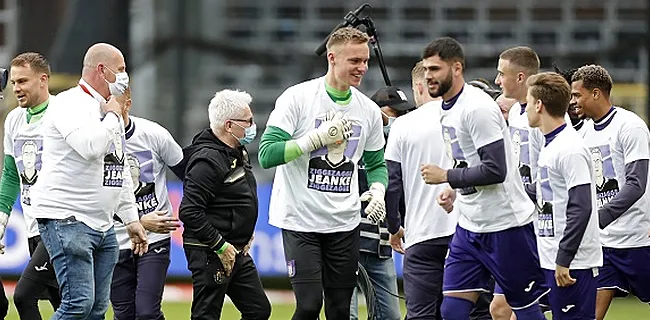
(606, 184)
(521, 145)
(544, 205)
(144, 186)
(331, 167)
(28, 164)
(291, 268)
(456, 154)
(114, 162)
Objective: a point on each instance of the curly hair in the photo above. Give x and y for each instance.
(566, 73)
(594, 77)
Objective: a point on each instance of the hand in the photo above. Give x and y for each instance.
(228, 258)
(562, 277)
(159, 222)
(138, 237)
(446, 199)
(432, 174)
(335, 129)
(4, 219)
(247, 247)
(112, 106)
(396, 241)
(376, 208)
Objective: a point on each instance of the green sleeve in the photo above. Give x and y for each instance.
(9, 185)
(376, 167)
(276, 148)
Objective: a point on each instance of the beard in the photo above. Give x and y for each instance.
(443, 86)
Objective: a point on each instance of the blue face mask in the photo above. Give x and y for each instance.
(390, 123)
(249, 134)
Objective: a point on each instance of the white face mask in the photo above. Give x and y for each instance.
(118, 87)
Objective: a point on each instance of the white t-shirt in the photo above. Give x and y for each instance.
(473, 122)
(319, 192)
(24, 142)
(624, 140)
(93, 189)
(522, 145)
(410, 143)
(563, 164)
(149, 149)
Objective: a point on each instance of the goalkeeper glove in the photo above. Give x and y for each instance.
(335, 129)
(376, 209)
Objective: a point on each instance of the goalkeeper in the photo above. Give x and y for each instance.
(316, 135)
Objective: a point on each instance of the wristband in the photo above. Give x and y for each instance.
(223, 248)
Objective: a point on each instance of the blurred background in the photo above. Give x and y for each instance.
(180, 52)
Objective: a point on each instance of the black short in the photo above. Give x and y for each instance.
(39, 267)
(336, 254)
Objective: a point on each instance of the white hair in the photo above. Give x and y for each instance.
(225, 105)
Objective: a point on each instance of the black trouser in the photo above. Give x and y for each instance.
(138, 283)
(322, 263)
(244, 286)
(424, 264)
(38, 281)
(4, 303)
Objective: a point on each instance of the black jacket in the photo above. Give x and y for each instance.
(219, 194)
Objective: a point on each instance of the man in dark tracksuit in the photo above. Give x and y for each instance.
(219, 212)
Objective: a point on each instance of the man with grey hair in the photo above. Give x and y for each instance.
(219, 212)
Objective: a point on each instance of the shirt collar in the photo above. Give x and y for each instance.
(551, 135)
(92, 91)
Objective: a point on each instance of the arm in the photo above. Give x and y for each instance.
(90, 140)
(484, 127)
(201, 181)
(393, 195)
(9, 185)
(578, 212)
(636, 178)
(492, 170)
(376, 167)
(126, 209)
(276, 148)
(577, 172)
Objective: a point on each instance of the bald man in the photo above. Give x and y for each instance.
(85, 182)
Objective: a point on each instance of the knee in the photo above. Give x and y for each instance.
(455, 308)
(263, 313)
(149, 314)
(78, 308)
(499, 308)
(308, 307)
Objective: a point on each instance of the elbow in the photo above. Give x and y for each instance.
(499, 174)
(264, 162)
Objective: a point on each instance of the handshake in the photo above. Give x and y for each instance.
(334, 130)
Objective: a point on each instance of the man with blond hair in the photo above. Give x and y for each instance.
(317, 206)
(419, 85)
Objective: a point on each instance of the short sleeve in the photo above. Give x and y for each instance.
(484, 125)
(170, 152)
(634, 140)
(576, 168)
(394, 143)
(284, 115)
(375, 140)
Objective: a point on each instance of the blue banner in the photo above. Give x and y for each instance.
(266, 250)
